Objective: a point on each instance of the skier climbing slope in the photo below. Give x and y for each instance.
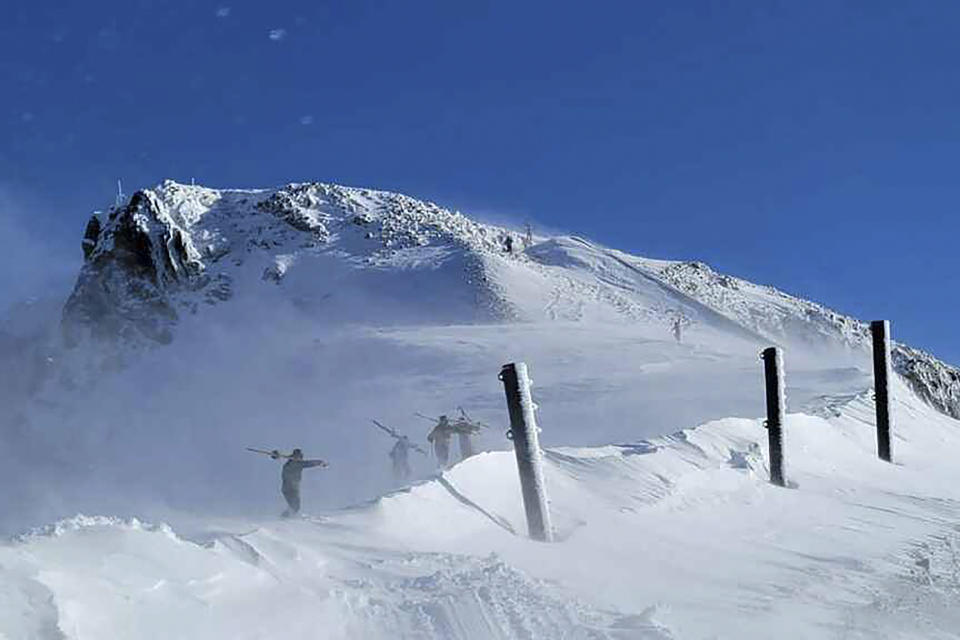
(440, 437)
(400, 456)
(291, 475)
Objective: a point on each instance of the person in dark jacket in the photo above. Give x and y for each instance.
(440, 439)
(291, 475)
(465, 430)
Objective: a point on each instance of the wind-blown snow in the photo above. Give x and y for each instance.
(347, 255)
(675, 537)
(205, 321)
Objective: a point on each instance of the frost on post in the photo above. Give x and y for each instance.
(526, 444)
(773, 377)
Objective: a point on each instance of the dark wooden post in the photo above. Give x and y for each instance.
(880, 330)
(773, 374)
(526, 444)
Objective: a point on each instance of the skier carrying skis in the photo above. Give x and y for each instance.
(440, 438)
(400, 456)
(400, 453)
(291, 475)
(678, 328)
(465, 430)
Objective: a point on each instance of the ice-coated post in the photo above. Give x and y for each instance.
(773, 373)
(880, 330)
(526, 444)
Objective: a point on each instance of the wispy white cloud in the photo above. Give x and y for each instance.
(32, 263)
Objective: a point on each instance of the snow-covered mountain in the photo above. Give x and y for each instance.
(176, 249)
(205, 321)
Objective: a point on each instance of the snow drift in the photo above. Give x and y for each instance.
(675, 537)
(207, 320)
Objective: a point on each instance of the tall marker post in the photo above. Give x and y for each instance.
(773, 376)
(880, 330)
(526, 444)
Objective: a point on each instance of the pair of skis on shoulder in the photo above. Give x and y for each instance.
(398, 436)
(275, 454)
(463, 416)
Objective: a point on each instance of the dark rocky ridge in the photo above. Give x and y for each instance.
(121, 292)
(937, 382)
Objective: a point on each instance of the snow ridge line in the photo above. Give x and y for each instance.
(497, 520)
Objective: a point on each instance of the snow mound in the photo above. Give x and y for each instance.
(678, 536)
(82, 522)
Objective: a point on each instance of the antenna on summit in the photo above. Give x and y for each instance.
(120, 197)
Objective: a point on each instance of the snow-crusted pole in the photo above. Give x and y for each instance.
(880, 329)
(773, 373)
(526, 444)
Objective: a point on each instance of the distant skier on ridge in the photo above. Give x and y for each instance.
(678, 328)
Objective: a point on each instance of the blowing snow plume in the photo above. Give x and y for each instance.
(206, 321)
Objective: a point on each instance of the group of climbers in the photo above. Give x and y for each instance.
(439, 437)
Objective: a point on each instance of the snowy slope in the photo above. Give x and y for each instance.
(675, 537)
(346, 255)
(206, 320)
(174, 248)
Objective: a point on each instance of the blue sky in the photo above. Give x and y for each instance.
(810, 145)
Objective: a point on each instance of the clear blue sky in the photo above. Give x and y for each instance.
(810, 145)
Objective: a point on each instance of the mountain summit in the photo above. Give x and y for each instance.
(207, 321)
(175, 249)
(361, 256)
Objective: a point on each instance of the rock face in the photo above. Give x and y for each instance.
(177, 249)
(129, 265)
(932, 379)
(174, 248)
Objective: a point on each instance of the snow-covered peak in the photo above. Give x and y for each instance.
(343, 255)
(174, 248)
